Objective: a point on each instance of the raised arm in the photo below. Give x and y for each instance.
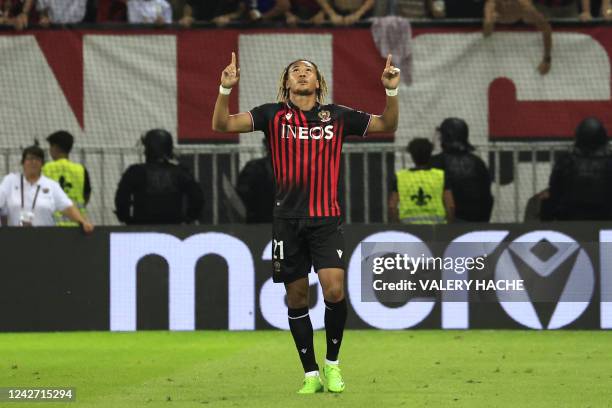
(358, 14)
(586, 11)
(533, 16)
(387, 122)
(187, 18)
(222, 120)
(334, 17)
(489, 18)
(21, 21)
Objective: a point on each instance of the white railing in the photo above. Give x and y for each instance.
(524, 169)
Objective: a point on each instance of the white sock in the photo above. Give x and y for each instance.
(332, 362)
(312, 374)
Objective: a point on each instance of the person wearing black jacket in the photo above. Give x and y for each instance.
(256, 189)
(580, 185)
(468, 176)
(160, 191)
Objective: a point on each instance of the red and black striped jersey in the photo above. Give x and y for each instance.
(305, 149)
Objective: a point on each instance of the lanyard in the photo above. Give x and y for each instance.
(35, 195)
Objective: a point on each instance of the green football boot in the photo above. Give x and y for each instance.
(333, 378)
(312, 385)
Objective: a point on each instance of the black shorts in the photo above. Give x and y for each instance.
(300, 243)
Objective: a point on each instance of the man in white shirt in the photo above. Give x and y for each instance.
(149, 11)
(61, 11)
(30, 199)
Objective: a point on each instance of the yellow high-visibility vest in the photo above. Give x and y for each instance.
(71, 177)
(421, 196)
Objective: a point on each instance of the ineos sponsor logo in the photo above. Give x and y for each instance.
(305, 133)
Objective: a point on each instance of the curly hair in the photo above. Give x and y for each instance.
(283, 92)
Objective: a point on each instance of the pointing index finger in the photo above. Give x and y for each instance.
(388, 61)
(233, 58)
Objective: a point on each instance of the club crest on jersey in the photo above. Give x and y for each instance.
(288, 115)
(325, 116)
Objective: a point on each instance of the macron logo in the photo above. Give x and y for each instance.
(289, 115)
(303, 350)
(339, 251)
(335, 341)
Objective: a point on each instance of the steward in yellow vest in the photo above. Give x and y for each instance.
(420, 195)
(72, 177)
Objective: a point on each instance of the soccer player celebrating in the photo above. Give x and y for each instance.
(305, 139)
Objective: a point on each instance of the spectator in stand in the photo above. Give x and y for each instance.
(580, 184)
(60, 11)
(512, 11)
(191, 11)
(253, 10)
(266, 10)
(466, 173)
(111, 11)
(436, 8)
(307, 11)
(346, 12)
(557, 8)
(455, 8)
(232, 10)
(149, 11)
(597, 8)
(16, 13)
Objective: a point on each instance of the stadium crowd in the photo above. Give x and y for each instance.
(21, 14)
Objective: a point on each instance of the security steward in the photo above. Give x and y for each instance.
(160, 191)
(580, 186)
(420, 195)
(72, 177)
(465, 172)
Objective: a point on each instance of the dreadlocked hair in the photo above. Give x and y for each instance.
(283, 92)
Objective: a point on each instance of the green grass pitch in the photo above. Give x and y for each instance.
(261, 369)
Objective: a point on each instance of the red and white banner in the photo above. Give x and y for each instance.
(108, 86)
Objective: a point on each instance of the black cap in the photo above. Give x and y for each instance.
(591, 134)
(62, 139)
(454, 133)
(158, 145)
